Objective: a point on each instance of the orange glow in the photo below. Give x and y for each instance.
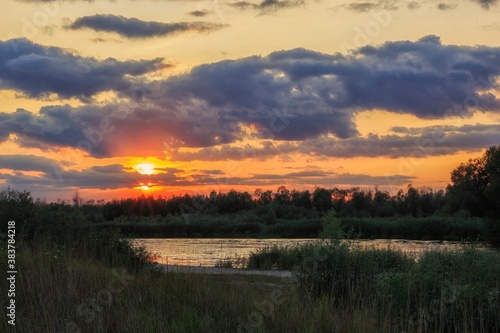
(145, 187)
(145, 168)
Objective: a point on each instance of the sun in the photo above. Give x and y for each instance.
(145, 168)
(145, 187)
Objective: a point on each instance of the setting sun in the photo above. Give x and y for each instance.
(145, 187)
(145, 168)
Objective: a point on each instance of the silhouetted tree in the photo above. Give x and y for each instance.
(15, 206)
(301, 199)
(282, 195)
(476, 185)
(322, 199)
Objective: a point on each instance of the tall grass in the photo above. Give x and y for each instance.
(74, 278)
(57, 292)
(60, 290)
(441, 292)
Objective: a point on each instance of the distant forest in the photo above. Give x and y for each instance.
(282, 203)
(474, 192)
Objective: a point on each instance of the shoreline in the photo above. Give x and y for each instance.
(221, 270)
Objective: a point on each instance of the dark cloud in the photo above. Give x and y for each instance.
(294, 175)
(407, 142)
(300, 94)
(40, 70)
(425, 142)
(200, 13)
(38, 1)
(329, 179)
(105, 40)
(53, 127)
(135, 28)
(486, 4)
(295, 95)
(29, 163)
(432, 130)
(277, 4)
(362, 6)
(105, 177)
(209, 172)
(446, 6)
(424, 78)
(267, 5)
(416, 142)
(413, 5)
(116, 176)
(243, 4)
(368, 180)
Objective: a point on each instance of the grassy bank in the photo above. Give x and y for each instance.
(441, 292)
(344, 291)
(74, 276)
(60, 291)
(85, 280)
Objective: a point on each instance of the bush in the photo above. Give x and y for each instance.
(17, 206)
(430, 228)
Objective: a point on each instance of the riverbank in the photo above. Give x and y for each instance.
(222, 271)
(340, 290)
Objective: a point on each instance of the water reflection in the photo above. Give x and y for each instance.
(209, 251)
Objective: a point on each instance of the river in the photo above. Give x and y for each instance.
(208, 252)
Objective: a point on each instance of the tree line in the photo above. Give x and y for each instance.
(474, 191)
(285, 203)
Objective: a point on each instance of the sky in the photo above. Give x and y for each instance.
(119, 98)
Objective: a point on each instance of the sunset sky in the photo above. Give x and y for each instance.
(128, 97)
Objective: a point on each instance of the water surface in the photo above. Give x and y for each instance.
(209, 251)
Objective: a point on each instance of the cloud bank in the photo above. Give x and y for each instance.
(38, 70)
(267, 6)
(135, 28)
(200, 13)
(115, 176)
(297, 96)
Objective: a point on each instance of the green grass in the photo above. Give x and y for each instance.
(440, 292)
(337, 288)
(76, 278)
(450, 292)
(65, 294)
